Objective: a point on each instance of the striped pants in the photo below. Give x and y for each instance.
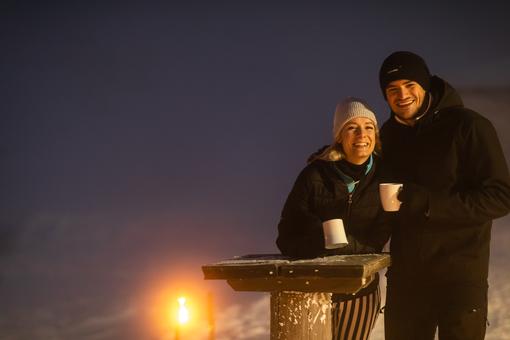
(354, 319)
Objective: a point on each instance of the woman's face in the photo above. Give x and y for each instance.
(358, 139)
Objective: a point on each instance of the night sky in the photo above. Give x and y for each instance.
(139, 141)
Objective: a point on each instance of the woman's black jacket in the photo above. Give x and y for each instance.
(319, 193)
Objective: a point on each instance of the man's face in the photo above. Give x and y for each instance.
(405, 97)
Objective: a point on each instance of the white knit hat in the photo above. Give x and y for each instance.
(348, 109)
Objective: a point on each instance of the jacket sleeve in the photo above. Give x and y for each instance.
(373, 241)
(355, 246)
(381, 231)
(486, 193)
(300, 232)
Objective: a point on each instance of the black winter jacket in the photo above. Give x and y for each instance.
(318, 187)
(457, 178)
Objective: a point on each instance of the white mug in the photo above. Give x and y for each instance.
(334, 234)
(388, 193)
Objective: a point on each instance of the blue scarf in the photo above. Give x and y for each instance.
(351, 183)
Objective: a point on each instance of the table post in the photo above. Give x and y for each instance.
(299, 315)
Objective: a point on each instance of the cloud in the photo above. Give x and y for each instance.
(250, 322)
(99, 326)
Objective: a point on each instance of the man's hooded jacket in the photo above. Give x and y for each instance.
(457, 182)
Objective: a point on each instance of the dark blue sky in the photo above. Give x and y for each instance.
(139, 141)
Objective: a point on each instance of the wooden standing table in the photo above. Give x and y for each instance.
(300, 289)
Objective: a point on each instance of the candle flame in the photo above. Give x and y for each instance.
(183, 316)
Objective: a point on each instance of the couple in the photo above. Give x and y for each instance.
(455, 182)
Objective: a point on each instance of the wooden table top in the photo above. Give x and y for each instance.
(270, 272)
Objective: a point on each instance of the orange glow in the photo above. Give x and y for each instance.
(176, 303)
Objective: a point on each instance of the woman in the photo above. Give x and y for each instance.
(341, 182)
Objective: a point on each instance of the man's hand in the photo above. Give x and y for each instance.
(415, 200)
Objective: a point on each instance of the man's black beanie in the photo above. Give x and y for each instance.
(404, 65)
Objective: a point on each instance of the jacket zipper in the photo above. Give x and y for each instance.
(349, 203)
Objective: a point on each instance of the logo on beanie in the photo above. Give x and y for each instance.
(394, 70)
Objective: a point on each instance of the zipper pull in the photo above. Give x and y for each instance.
(349, 202)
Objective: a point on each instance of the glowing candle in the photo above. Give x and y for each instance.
(183, 316)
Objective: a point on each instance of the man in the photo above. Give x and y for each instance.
(456, 182)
